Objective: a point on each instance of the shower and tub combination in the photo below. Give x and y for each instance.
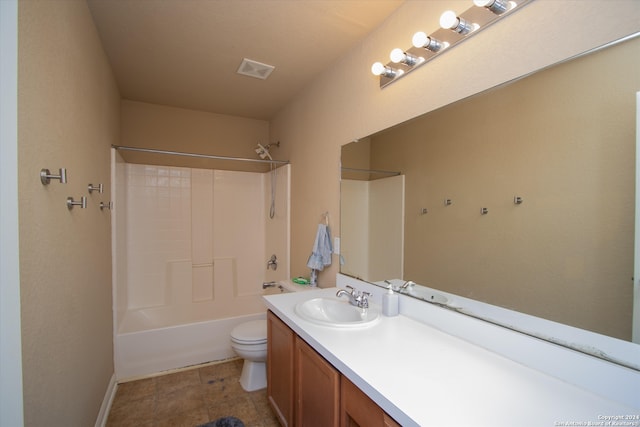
(191, 248)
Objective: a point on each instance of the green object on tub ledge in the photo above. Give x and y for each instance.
(300, 280)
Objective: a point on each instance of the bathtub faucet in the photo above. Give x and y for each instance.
(272, 263)
(266, 285)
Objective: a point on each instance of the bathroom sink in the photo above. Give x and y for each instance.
(336, 313)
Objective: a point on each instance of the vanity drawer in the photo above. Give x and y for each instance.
(358, 410)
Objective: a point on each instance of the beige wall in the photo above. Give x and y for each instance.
(346, 103)
(177, 129)
(68, 117)
(356, 156)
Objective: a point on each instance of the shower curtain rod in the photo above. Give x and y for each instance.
(203, 156)
(371, 171)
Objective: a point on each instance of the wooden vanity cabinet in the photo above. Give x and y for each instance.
(317, 388)
(358, 410)
(280, 362)
(302, 387)
(305, 390)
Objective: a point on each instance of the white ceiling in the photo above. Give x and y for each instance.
(185, 53)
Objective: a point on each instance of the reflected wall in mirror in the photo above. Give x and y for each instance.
(372, 223)
(562, 139)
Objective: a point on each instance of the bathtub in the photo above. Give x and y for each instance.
(149, 351)
(151, 340)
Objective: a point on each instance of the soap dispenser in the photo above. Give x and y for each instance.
(390, 302)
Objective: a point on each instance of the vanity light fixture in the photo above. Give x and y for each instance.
(421, 39)
(398, 56)
(455, 29)
(379, 69)
(449, 20)
(496, 6)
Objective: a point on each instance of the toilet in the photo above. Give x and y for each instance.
(249, 341)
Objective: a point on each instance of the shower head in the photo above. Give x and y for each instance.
(263, 151)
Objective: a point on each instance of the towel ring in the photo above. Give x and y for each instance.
(325, 217)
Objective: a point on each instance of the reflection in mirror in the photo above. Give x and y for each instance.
(372, 223)
(563, 141)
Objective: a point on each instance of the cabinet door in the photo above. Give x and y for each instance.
(317, 389)
(280, 365)
(358, 410)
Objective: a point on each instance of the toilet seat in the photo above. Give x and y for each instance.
(253, 332)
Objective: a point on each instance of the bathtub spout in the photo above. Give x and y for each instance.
(266, 285)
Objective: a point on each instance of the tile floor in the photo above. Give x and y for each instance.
(190, 398)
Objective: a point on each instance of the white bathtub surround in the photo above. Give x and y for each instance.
(192, 262)
(424, 376)
(192, 234)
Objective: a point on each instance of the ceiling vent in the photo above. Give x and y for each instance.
(255, 69)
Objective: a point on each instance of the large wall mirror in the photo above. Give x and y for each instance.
(522, 196)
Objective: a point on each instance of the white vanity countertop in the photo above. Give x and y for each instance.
(424, 377)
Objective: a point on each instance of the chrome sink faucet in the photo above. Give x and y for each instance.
(404, 286)
(357, 298)
(407, 284)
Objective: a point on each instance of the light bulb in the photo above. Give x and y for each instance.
(397, 55)
(378, 68)
(449, 20)
(496, 6)
(420, 39)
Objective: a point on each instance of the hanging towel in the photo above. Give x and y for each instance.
(321, 255)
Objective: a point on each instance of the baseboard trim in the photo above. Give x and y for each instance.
(101, 421)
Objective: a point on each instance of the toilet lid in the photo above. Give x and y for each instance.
(254, 331)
